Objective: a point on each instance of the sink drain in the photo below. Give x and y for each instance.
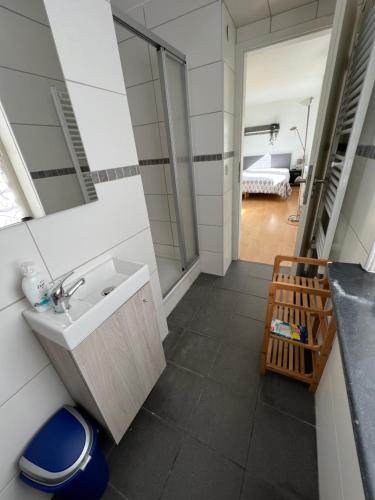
(107, 290)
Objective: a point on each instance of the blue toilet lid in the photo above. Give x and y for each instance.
(59, 448)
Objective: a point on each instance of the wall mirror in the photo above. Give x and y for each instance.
(43, 165)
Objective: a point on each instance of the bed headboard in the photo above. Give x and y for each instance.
(281, 160)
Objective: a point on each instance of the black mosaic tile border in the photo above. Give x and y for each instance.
(111, 174)
(366, 151)
(228, 154)
(211, 157)
(44, 174)
(154, 161)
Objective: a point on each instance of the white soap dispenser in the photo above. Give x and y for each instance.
(35, 286)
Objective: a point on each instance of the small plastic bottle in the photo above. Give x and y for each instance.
(34, 286)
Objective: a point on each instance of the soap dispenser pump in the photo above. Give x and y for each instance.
(34, 286)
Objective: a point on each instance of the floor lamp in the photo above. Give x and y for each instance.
(306, 102)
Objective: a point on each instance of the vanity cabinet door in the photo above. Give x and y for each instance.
(141, 328)
(107, 365)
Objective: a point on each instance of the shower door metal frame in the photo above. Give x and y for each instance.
(162, 54)
(164, 48)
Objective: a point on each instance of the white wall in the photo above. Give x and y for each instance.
(338, 467)
(288, 114)
(30, 390)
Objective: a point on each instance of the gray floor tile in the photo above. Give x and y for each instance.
(170, 341)
(259, 490)
(223, 420)
(258, 287)
(140, 465)
(106, 442)
(183, 313)
(288, 395)
(112, 494)
(201, 474)
(234, 279)
(210, 321)
(238, 369)
(244, 331)
(283, 451)
(258, 270)
(195, 352)
(205, 280)
(224, 300)
(252, 306)
(175, 395)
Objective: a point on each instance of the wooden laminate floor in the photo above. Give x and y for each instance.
(265, 229)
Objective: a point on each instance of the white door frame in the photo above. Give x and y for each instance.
(317, 26)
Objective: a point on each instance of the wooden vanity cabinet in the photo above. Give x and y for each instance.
(114, 369)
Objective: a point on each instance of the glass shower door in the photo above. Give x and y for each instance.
(174, 90)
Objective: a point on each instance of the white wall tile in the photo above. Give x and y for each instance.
(227, 205)
(229, 37)
(34, 10)
(137, 14)
(210, 238)
(27, 98)
(23, 415)
(59, 193)
(167, 251)
(211, 263)
(161, 11)
(208, 177)
(163, 139)
(326, 8)
(162, 322)
(346, 246)
(228, 174)
(210, 210)
(168, 179)
(96, 62)
(142, 104)
(16, 490)
(147, 140)
(16, 246)
(359, 202)
(35, 51)
(228, 89)
(227, 244)
(207, 132)
(228, 132)
(197, 35)
(18, 347)
(138, 248)
(153, 179)
(176, 239)
(161, 232)
(206, 89)
(106, 146)
(157, 207)
(42, 147)
(253, 30)
(294, 17)
(125, 6)
(68, 239)
(156, 290)
(135, 61)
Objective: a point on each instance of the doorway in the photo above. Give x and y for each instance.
(281, 93)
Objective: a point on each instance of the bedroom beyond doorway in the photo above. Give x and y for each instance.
(280, 102)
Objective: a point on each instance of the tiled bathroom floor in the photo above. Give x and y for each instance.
(213, 428)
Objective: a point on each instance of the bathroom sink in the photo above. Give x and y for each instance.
(107, 286)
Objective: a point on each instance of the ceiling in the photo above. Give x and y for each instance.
(248, 11)
(292, 70)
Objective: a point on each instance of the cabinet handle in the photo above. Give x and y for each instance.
(144, 300)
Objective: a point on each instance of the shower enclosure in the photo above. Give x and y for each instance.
(156, 84)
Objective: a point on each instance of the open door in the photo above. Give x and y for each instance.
(337, 66)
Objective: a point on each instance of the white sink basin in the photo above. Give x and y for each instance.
(90, 307)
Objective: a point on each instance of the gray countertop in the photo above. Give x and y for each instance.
(353, 296)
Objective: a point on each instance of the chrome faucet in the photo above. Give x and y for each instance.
(61, 297)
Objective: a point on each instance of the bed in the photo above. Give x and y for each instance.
(267, 174)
